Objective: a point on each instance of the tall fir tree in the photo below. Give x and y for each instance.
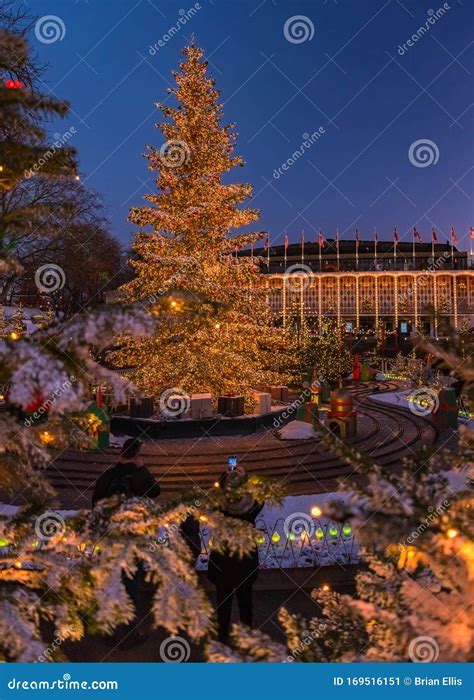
(192, 247)
(31, 167)
(23, 109)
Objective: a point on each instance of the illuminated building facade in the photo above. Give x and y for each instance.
(391, 287)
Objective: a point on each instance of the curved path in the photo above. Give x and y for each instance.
(386, 432)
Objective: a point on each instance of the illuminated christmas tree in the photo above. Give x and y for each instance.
(192, 247)
(325, 351)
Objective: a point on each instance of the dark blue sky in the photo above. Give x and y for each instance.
(349, 78)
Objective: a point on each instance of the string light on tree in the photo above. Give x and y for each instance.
(193, 217)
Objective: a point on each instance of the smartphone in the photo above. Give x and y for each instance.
(232, 463)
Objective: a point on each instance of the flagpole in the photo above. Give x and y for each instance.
(357, 249)
(268, 253)
(320, 255)
(284, 282)
(395, 242)
(413, 248)
(452, 249)
(337, 250)
(375, 245)
(432, 248)
(302, 285)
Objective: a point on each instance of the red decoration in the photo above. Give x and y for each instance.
(356, 367)
(37, 400)
(13, 84)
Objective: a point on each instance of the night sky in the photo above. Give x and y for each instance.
(344, 73)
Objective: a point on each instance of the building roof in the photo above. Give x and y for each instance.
(349, 248)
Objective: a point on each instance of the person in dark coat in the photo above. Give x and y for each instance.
(231, 573)
(128, 477)
(191, 533)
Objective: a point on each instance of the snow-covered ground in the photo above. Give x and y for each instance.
(297, 430)
(397, 398)
(400, 399)
(117, 440)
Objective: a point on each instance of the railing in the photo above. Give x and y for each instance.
(463, 408)
(382, 265)
(320, 542)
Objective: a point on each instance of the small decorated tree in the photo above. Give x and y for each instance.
(325, 351)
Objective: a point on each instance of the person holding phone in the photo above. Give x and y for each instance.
(230, 573)
(232, 464)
